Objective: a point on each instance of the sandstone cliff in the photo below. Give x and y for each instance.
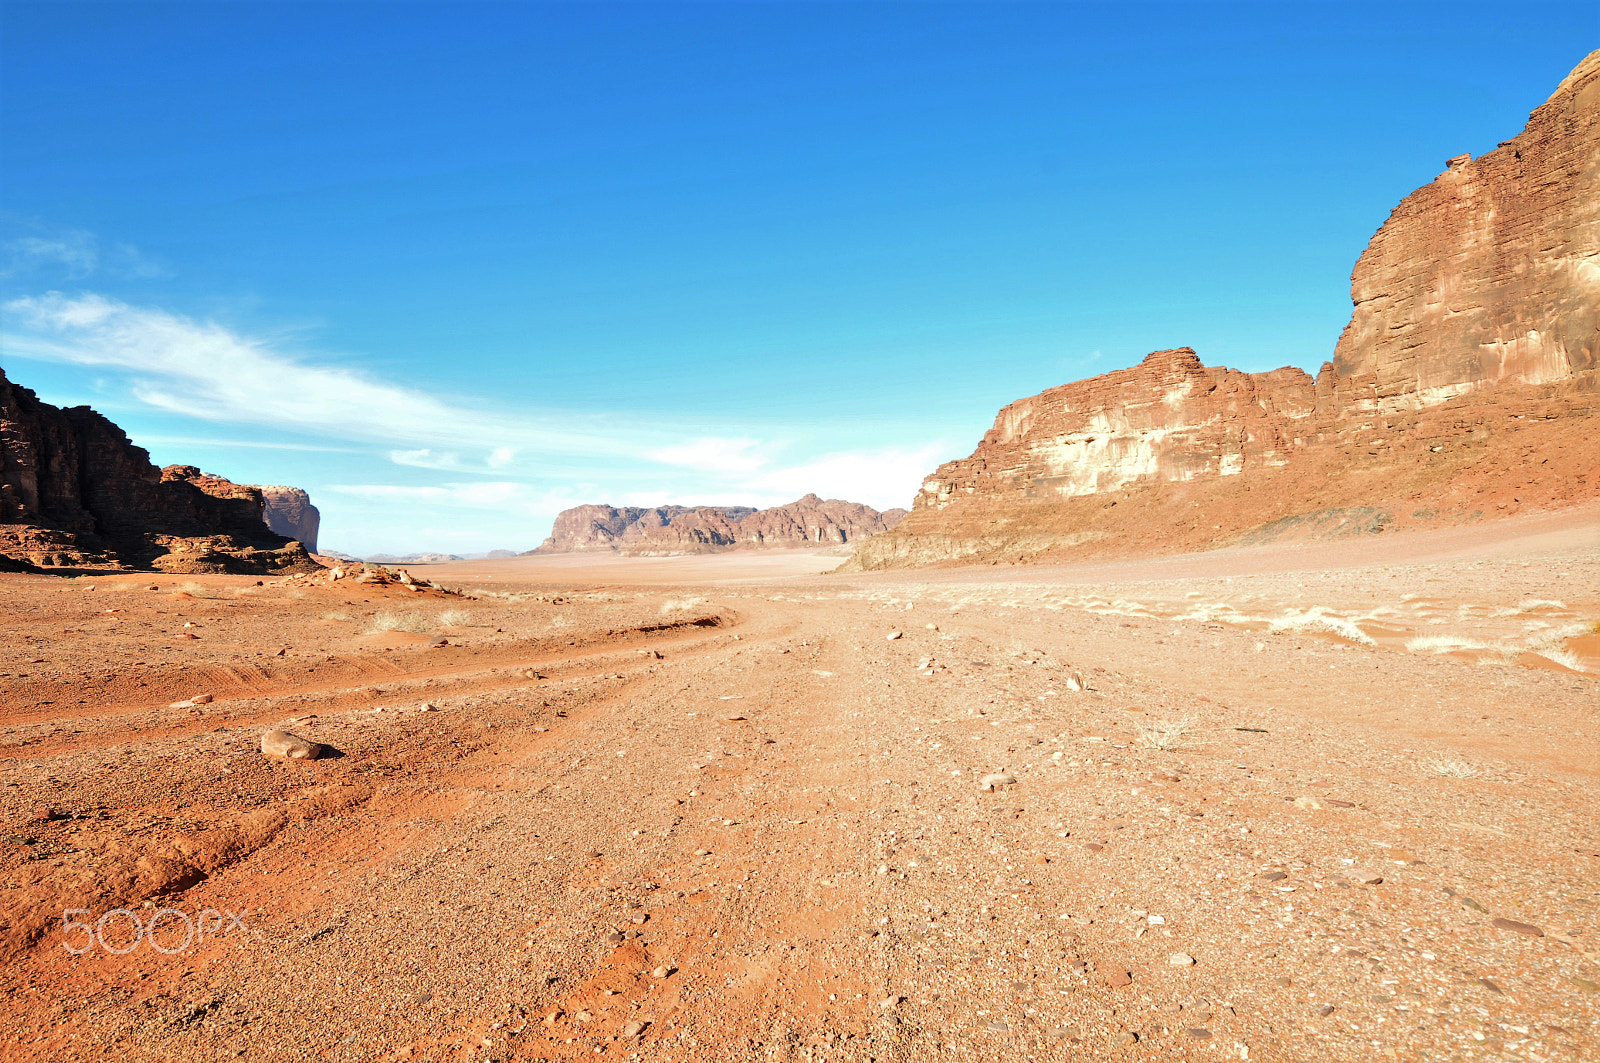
(809, 521)
(1492, 272)
(75, 492)
(289, 512)
(1464, 387)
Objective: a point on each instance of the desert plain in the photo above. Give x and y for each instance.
(1326, 801)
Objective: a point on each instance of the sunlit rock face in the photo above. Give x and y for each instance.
(1491, 272)
(666, 530)
(1167, 419)
(1466, 386)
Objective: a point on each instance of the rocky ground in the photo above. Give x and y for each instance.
(1288, 804)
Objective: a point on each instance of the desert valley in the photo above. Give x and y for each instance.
(1197, 714)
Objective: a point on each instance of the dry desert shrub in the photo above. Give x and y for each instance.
(455, 618)
(336, 616)
(1321, 618)
(1452, 768)
(1165, 735)
(680, 605)
(193, 590)
(414, 622)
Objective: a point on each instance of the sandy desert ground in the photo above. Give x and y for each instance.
(1292, 803)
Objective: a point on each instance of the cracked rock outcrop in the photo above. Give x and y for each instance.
(75, 492)
(1464, 387)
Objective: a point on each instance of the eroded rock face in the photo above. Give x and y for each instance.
(1168, 419)
(1491, 272)
(809, 521)
(74, 491)
(1465, 386)
(289, 512)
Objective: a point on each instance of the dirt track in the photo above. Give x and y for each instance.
(723, 804)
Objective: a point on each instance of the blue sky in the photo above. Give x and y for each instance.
(453, 268)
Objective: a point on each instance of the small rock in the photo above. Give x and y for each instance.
(1366, 878)
(1325, 1010)
(734, 719)
(1490, 986)
(999, 1027)
(1333, 803)
(422, 998)
(1074, 681)
(1519, 928)
(1094, 847)
(661, 972)
(1309, 803)
(1119, 978)
(1180, 959)
(1274, 876)
(640, 918)
(633, 1029)
(583, 1016)
(616, 937)
(702, 852)
(990, 783)
(1123, 1040)
(1584, 984)
(892, 636)
(551, 1017)
(1198, 1034)
(201, 699)
(181, 705)
(889, 1002)
(1070, 1033)
(277, 743)
(438, 641)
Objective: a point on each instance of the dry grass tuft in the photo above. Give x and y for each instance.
(681, 605)
(415, 622)
(455, 618)
(1452, 768)
(1165, 735)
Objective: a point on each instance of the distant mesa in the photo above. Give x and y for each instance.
(411, 559)
(669, 530)
(74, 492)
(1464, 388)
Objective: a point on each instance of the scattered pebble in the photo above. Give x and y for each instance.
(1198, 1034)
(1519, 928)
(633, 1029)
(1119, 978)
(892, 636)
(661, 972)
(1180, 959)
(990, 783)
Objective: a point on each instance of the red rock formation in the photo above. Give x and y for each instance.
(1492, 272)
(809, 521)
(74, 491)
(1472, 350)
(289, 512)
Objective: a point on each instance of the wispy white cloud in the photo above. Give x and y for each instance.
(531, 465)
(713, 454)
(205, 370)
(31, 248)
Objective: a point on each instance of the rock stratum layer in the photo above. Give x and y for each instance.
(809, 521)
(74, 492)
(1464, 387)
